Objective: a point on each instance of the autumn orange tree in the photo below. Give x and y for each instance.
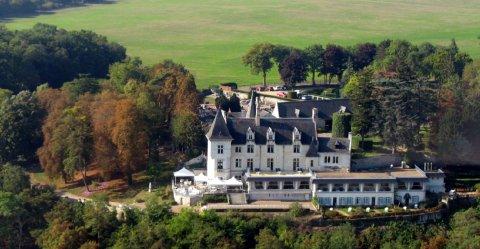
(130, 138)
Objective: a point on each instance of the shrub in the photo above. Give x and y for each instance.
(341, 124)
(214, 199)
(296, 210)
(477, 187)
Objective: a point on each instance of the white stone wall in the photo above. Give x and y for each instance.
(213, 157)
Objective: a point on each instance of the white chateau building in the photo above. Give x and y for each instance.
(284, 158)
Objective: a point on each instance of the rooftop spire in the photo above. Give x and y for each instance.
(219, 129)
(252, 106)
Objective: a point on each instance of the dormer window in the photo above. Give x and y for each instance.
(270, 134)
(296, 134)
(250, 135)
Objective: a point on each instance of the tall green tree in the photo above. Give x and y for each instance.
(314, 60)
(403, 106)
(20, 122)
(259, 59)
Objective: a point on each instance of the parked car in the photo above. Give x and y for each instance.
(307, 97)
(282, 94)
(279, 88)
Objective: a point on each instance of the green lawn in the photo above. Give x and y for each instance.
(210, 36)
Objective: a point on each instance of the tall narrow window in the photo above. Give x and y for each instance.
(296, 164)
(270, 163)
(238, 149)
(270, 148)
(311, 163)
(249, 148)
(296, 148)
(220, 164)
(220, 149)
(238, 163)
(250, 163)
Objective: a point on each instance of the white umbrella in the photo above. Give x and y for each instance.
(201, 178)
(184, 173)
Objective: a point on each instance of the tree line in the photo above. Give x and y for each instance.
(294, 65)
(419, 97)
(34, 217)
(47, 54)
(15, 7)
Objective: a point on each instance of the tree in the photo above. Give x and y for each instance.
(464, 233)
(341, 124)
(12, 214)
(293, 69)
(363, 55)
(343, 237)
(335, 61)
(359, 90)
(82, 85)
(402, 108)
(314, 59)
(267, 240)
(234, 103)
(129, 70)
(259, 59)
(79, 141)
(13, 179)
(20, 121)
(222, 102)
(187, 130)
(130, 138)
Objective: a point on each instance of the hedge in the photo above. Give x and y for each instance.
(341, 124)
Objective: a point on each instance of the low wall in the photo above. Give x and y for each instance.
(376, 162)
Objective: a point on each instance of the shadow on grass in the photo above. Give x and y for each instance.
(10, 16)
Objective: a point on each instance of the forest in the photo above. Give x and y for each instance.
(10, 8)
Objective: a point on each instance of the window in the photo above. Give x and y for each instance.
(270, 163)
(385, 187)
(270, 136)
(272, 185)
(388, 201)
(369, 187)
(359, 201)
(311, 163)
(220, 149)
(296, 164)
(258, 185)
(343, 201)
(250, 148)
(238, 163)
(402, 185)
(238, 149)
(288, 185)
(335, 159)
(415, 199)
(325, 201)
(250, 136)
(349, 201)
(367, 201)
(381, 201)
(250, 163)
(338, 187)
(353, 187)
(323, 188)
(220, 164)
(327, 159)
(270, 148)
(296, 148)
(417, 185)
(304, 185)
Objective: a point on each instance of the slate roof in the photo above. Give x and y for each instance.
(283, 129)
(219, 129)
(333, 144)
(325, 107)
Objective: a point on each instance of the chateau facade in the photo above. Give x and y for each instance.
(285, 158)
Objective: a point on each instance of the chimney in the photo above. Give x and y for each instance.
(314, 113)
(257, 113)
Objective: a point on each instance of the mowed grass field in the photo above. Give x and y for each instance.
(210, 36)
